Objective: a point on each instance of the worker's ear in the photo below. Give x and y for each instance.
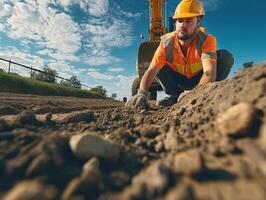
(199, 21)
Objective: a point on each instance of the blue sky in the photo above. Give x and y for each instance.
(97, 40)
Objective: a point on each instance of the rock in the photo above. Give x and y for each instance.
(189, 162)
(225, 146)
(193, 102)
(150, 182)
(6, 110)
(80, 188)
(86, 116)
(40, 165)
(171, 140)
(27, 117)
(18, 165)
(74, 117)
(90, 145)
(44, 118)
(85, 186)
(237, 120)
(91, 171)
(149, 131)
(31, 190)
(93, 163)
(49, 154)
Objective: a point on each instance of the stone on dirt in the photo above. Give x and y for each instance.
(91, 171)
(86, 185)
(74, 117)
(81, 189)
(27, 117)
(189, 162)
(171, 140)
(90, 145)
(31, 190)
(49, 154)
(237, 120)
(149, 183)
(148, 131)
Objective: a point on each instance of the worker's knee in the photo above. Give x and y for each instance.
(225, 62)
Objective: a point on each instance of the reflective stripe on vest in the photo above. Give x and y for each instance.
(168, 44)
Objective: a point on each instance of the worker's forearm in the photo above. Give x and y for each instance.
(207, 77)
(148, 78)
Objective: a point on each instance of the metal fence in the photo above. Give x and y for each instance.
(37, 70)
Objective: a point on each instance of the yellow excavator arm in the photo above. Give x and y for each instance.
(157, 27)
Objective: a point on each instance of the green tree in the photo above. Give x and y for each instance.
(2, 70)
(99, 90)
(15, 74)
(248, 64)
(48, 76)
(73, 82)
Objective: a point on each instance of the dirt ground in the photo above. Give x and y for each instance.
(210, 145)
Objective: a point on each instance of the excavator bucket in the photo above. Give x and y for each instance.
(145, 54)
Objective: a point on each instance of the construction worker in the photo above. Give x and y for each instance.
(184, 59)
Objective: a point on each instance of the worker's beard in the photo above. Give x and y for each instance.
(185, 37)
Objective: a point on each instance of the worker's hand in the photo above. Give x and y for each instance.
(140, 100)
(183, 94)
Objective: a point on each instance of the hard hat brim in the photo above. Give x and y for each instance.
(186, 15)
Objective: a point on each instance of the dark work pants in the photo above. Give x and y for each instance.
(174, 83)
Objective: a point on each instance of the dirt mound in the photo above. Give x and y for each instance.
(210, 145)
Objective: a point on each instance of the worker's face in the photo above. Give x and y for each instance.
(185, 27)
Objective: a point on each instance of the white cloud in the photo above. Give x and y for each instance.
(90, 70)
(65, 3)
(115, 69)
(5, 9)
(98, 8)
(99, 60)
(45, 52)
(37, 22)
(127, 14)
(119, 84)
(102, 36)
(101, 76)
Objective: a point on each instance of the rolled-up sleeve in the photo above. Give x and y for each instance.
(209, 49)
(159, 57)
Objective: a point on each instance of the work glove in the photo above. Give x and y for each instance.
(140, 100)
(183, 94)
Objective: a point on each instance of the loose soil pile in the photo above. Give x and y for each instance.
(210, 145)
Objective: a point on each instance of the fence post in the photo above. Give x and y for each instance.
(30, 72)
(9, 64)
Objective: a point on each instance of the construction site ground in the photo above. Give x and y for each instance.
(210, 145)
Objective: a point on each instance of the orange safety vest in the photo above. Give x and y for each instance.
(192, 64)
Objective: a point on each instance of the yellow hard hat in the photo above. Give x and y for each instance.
(189, 8)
